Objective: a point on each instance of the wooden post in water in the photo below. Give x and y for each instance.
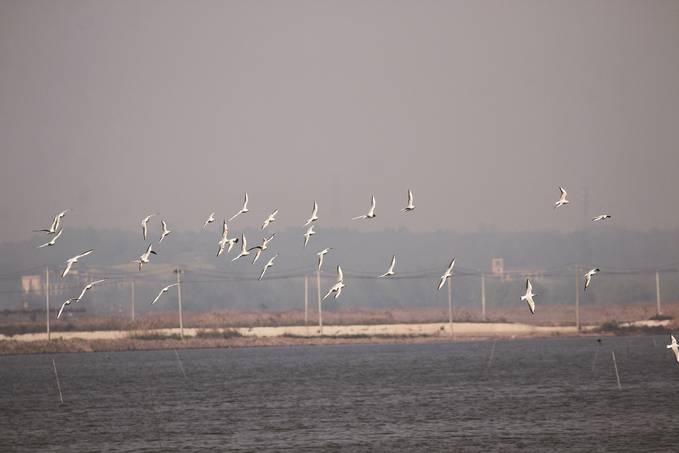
(61, 396)
(577, 299)
(179, 361)
(47, 302)
(306, 304)
(615, 365)
(179, 301)
(483, 297)
(320, 307)
(450, 305)
(132, 299)
(657, 291)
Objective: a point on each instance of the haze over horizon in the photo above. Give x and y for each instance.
(481, 108)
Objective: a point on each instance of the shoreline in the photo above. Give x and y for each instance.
(196, 338)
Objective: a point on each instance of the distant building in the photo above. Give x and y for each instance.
(31, 284)
(498, 270)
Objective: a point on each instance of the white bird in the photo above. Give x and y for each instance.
(77, 299)
(411, 204)
(601, 217)
(54, 239)
(243, 247)
(528, 297)
(243, 210)
(562, 199)
(144, 224)
(314, 214)
(390, 271)
(309, 232)
(145, 257)
(71, 261)
(371, 212)
(268, 265)
(262, 247)
(447, 274)
(164, 232)
(589, 275)
(320, 257)
(674, 347)
(337, 287)
(164, 290)
(270, 219)
(225, 240)
(209, 220)
(56, 222)
(61, 310)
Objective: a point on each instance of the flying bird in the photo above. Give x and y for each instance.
(77, 299)
(268, 265)
(314, 215)
(164, 290)
(320, 257)
(562, 199)
(54, 239)
(337, 287)
(309, 232)
(262, 247)
(164, 232)
(390, 271)
(243, 247)
(61, 310)
(71, 261)
(145, 257)
(589, 275)
(144, 224)
(674, 347)
(209, 220)
(270, 219)
(371, 212)
(601, 217)
(411, 205)
(447, 274)
(528, 297)
(243, 210)
(56, 222)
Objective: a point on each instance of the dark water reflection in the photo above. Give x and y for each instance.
(539, 395)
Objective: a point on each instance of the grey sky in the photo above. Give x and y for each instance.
(483, 108)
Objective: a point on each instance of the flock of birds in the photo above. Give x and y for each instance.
(226, 244)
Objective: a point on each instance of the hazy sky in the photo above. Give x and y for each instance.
(119, 109)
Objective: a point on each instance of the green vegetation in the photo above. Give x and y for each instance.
(218, 333)
(156, 336)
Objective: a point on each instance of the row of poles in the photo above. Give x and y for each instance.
(178, 272)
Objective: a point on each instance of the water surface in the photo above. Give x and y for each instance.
(534, 394)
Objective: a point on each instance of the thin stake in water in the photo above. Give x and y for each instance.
(492, 353)
(615, 365)
(596, 354)
(61, 396)
(181, 366)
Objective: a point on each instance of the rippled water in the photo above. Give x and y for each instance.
(534, 394)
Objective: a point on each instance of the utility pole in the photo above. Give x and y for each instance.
(657, 291)
(179, 301)
(320, 307)
(577, 299)
(450, 305)
(47, 301)
(306, 303)
(132, 298)
(483, 297)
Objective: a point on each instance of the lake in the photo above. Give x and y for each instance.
(536, 394)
